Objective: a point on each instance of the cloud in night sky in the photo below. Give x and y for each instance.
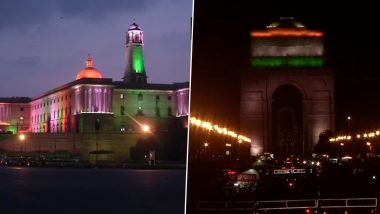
(99, 8)
(15, 13)
(27, 61)
(47, 41)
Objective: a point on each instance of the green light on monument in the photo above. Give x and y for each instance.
(277, 62)
(138, 59)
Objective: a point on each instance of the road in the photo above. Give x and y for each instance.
(336, 181)
(65, 190)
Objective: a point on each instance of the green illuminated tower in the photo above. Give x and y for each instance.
(135, 69)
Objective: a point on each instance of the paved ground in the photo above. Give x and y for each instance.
(91, 191)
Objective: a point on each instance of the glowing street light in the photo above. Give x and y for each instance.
(218, 129)
(21, 137)
(368, 144)
(145, 128)
(205, 144)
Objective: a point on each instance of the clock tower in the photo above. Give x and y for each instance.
(135, 68)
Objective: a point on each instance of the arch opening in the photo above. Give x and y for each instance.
(287, 121)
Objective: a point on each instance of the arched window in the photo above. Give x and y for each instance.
(137, 38)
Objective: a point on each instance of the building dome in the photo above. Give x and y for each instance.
(286, 22)
(89, 71)
(134, 26)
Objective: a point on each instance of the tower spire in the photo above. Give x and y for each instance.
(89, 61)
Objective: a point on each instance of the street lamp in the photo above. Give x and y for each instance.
(205, 145)
(21, 137)
(146, 128)
(349, 124)
(19, 124)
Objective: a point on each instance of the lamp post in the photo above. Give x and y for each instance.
(370, 148)
(19, 124)
(206, 145)
(146, 129)
(21, 137)
(349, 124)
(98, 125)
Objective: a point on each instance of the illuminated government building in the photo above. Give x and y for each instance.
(93, 103)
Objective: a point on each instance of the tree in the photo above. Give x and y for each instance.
(324, 146)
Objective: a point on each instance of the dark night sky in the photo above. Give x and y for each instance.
(44, 43)
(221, 50)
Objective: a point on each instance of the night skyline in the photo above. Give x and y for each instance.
(48, 41)
(222, 52)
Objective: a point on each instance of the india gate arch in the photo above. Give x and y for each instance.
(287, 95)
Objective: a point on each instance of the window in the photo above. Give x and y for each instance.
(122, 110)
(158, 112)
(140, 97)
(121, 96)
(137, 39)
(169, 111)
(169, 97)
(22, 109)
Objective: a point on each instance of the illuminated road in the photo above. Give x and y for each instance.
(51, 190)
